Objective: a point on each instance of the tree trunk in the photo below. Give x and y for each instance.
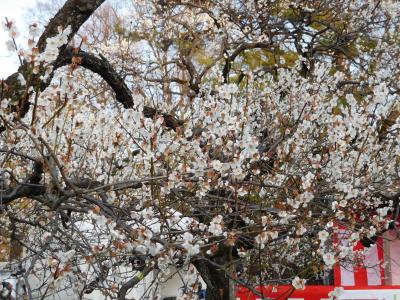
(219, 284)
(15, 246)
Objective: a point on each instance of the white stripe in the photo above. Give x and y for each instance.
(394, 257)
(371, 261)
(347, 271)
(347, 275)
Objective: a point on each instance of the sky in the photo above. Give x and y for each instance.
(13, 10)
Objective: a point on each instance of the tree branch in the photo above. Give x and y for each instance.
(99, 66)
(132, 282)
(30, 187)
(169, 120)
(122, 93)
(74, 13)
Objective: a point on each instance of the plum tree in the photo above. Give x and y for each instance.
(237, 138)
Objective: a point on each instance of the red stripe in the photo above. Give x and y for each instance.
(310, 293)
(360, 273)
(337, 277)
(337, 273)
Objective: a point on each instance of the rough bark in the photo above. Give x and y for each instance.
(74, 13)
(210, 275)
(214, 272)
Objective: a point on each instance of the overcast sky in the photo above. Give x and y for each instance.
(13, 10)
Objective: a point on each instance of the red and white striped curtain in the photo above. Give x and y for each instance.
(380, 263)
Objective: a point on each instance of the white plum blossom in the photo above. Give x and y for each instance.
(66, 256)
(224, 136)
(298, 283)
(10, 46)
(148, 213)
(301, 230)
(11, 28)
(273, 234)
(216, 226)
(33, 30)
(226, 90)
(264, 220)
(191, 247)
(261, 239)
(51, 51)
(329, 259)
(323, 235)
(336, 293)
